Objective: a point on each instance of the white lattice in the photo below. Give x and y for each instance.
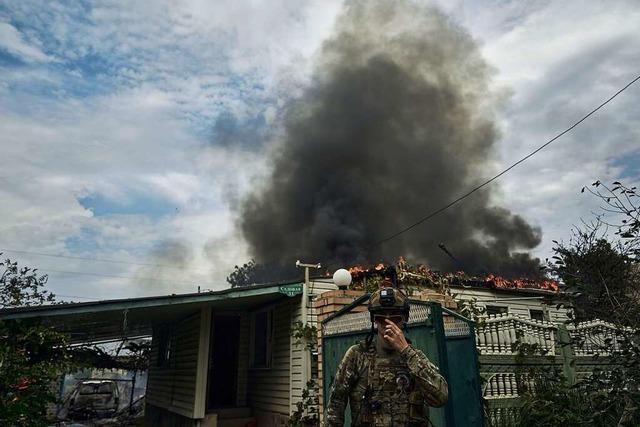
(419, 313)
(351, 322)
(454, 327)
(358, 322)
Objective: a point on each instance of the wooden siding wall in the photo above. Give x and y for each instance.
(268, 388)
(173, 386)
(519, 307)
(243, 358)
(297, 351)
(296, 358)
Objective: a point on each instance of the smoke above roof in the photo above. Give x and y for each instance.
(396, 123)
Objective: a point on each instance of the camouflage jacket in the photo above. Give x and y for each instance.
(385, 388)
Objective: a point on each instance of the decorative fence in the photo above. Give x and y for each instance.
(595, 337)
(499, 334)
(571, 349)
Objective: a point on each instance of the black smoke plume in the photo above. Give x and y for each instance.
(397, 122)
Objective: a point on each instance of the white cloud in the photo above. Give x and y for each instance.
(14, 42)
(559, 61)
(128, 105)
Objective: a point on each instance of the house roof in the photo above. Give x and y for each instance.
(134, 317)
(519, 291)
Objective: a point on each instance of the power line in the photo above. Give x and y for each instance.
(46, 271)
(77, 296)
(90, 259)
(464, 196)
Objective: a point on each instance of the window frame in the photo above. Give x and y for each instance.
(541, 311)
(499, 307)
(268, 339)
(165, 347)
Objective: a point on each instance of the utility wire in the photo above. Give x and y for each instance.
(90, 259)
(464, 196)
(195, 282)
(77, 296)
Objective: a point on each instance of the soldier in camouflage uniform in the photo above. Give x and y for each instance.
(387, 382)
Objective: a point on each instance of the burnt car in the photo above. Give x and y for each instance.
(94, 399)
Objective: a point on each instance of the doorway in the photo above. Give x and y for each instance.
(222, 388)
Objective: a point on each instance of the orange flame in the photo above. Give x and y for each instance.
(522, 283)
(356, 269)
(492, 280)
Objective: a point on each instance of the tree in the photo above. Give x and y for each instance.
(599, 267)
(32, 355)
(252, 273)
(601, 275)
(22, 286)
(600, 264)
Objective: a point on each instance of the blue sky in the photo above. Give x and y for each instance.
(130, 130)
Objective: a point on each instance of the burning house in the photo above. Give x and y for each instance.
(234, 356)
(396, 123)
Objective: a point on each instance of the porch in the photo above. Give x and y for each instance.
(218, 358)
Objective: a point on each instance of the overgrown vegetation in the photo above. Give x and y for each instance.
(599, 268)
(253, 273)
(306, 412)
(305, 334)
(32, 355)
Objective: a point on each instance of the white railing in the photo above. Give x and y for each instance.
(595, 337)
(506, 385)
(499, 333)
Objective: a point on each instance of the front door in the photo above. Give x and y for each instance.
(223, 361)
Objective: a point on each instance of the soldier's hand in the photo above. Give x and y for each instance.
(394, 336)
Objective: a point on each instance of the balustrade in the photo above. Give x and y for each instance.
(499, 334)
(595, 337)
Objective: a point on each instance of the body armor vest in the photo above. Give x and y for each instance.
(391, 397)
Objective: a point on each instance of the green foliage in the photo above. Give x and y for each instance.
(470, 309)
(32, 358)
(305, 334)
(600, 275)
(555, 403)
(22, 286)
(253, 273)
(244, 275)
(32, 355)
(306, 413)
(549, 400)
(599, 267)
(139, 355)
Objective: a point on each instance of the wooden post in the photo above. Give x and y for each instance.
(202, 369)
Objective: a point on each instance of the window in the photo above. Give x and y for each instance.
(261, 338)
(536, 314)
(165, 345)
(496, 309)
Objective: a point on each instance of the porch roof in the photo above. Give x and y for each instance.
(134, 317)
